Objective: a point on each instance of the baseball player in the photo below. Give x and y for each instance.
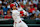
(16, 17)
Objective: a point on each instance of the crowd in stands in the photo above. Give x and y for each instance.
(32, 7)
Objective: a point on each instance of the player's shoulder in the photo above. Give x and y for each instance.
(14, 10)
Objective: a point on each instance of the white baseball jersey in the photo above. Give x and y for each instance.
(16, 15)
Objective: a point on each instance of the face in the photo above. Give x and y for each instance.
(17, 0)
(28, 8)
(0, 5)
(35, 15)
(8, 12)
(31, 6)
(14, 7)
(35, 0)
(39, 16)
(35, 9)
(5, 0)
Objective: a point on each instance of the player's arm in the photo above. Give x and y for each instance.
(25, 13)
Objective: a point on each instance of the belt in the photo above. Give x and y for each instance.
(18, 22)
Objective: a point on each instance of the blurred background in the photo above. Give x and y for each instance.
(32, 7)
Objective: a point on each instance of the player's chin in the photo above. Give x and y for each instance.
(14, 8)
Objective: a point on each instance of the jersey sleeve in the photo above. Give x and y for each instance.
(24, 12)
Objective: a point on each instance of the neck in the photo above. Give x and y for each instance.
(14, 9)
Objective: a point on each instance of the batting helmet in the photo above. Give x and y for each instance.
(11, 5)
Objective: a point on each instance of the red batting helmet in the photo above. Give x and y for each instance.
(11, 5)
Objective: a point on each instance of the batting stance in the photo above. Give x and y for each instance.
(16, 17)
